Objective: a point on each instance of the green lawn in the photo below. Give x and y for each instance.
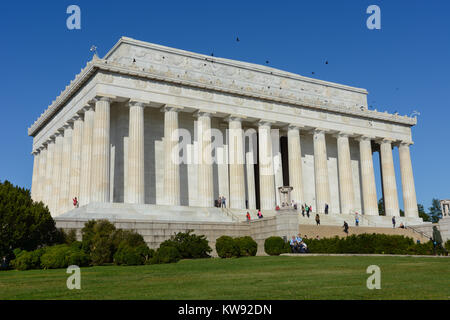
(243, 278)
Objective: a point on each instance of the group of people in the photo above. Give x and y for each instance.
(221, 202)
(402, 226)
(306, 209)
(259, 214)
(298, 245)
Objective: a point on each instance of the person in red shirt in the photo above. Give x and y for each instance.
(75, 202)
(248, 216)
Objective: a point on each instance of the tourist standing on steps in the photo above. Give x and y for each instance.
(303, 210)
(345, 227)
(317, 219)
(393, 222)
(219, 202)
(356, 219)
(248, 216)
(75, 202)
(224, 204)
(326, 208)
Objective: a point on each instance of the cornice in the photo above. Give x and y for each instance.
(97, 64)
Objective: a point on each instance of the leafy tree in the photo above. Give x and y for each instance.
(435, 210)
(381, 207)
(24, 223)
(422, 214)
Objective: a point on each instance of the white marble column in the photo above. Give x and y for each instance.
(369, 191)
(171, 157)
(321, 172)
(56, 174)
(65, 200)
(295, 164)
(48, 190)
(408, 188)
(86, 155)
(35, 179)
(101, 151)
(134, 187)
(40, 194)
(346, 191)
(205, 168)
(266, 173)
(388, 177)
(236, 163)
(75, 162)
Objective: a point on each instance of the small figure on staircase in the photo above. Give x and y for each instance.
(345, 227)
(75, 202)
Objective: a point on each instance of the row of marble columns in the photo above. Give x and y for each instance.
(75, 161)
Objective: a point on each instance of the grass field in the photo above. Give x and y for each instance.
(243, 278)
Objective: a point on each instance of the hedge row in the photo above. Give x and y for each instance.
(52, 257)
(373, 244)
(274, 246)
(228, 247)
(103, 244)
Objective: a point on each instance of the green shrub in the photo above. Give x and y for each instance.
(274, 246)
(190, 246)
(62, 256)
(70, 236)
(447, 245)
(166, 254)
(102, 251)
(226, 247)
(98, 241)
(131, 256)
(131, 238)
(247, 246)
(26, 260)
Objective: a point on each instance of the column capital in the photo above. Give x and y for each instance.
(87, 107)
(320, 131)
(104, 97)
(76, 117)
(404, 143)
(233, 117)
(59, 132)
(342, 134)
(137, 103)
(385, 140)
(292, 126)
(171, 107)
(364, 138)
(67, 125)
(49, 142)
(265, 123)
(203, 113)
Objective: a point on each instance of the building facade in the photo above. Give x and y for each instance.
(148, 124)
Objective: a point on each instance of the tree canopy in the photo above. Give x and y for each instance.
(24, 223)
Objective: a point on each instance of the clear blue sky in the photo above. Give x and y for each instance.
(404, 66)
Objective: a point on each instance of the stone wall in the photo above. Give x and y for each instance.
(155, 232)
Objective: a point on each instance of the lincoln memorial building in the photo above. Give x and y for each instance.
(152, 133)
